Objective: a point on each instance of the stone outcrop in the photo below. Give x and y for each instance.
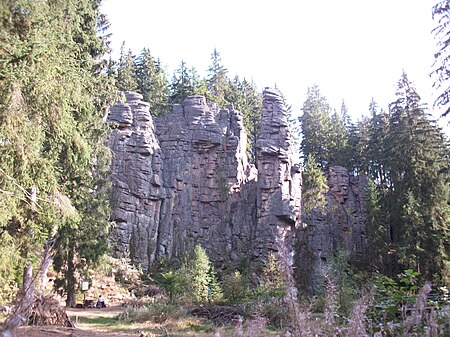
(137, 194)
(279, 178)
(339, 227)
(184, 179)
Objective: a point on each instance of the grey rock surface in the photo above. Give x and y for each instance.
(180, 180)
(185, 179)
(279, 179)
(340, 227)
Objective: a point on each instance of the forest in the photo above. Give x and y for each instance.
(58, 80)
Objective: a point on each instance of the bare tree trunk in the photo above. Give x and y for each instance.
(26, 296)
(46, 261)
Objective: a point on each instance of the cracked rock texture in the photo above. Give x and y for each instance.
(184, 179)
(340, 227)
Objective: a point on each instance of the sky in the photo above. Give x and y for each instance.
(352, 49)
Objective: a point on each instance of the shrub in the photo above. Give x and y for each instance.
(235, 287)
(271, 284)
(194, 282)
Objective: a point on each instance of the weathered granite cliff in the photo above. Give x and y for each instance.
(279, 179)
(340, 227)
(185, 179)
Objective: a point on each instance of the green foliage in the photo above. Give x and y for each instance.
(417, 185)
(441, 11)
(348, 282)
(316, 127)
(245, 98)
(314, 186)
(53, 98)
(195, 281)
(390, 295)
(10, 268)
(405, 155)
(235, 287)
(377, 230)
(126, 76)
(185, 82)
(271, 284)
(175, 284)
(203, 281)
(217, 81)
(152, 82)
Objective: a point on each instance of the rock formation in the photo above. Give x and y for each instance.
(185, 179)
(340, 227)
(279, 178)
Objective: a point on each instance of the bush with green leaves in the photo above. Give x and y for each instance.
(271, 284)
(195, 281)
(235, 287)
(390, 295)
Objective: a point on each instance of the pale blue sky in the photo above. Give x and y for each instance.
(353, 49)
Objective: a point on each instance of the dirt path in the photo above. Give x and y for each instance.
(89, 323)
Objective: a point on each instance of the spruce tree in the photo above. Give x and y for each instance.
(152, 82)
(53, 163)
(338, 139)
(217, 80)
(249, 103)
(126, 71)
(314, 187)
(377, 143)
(417, 186)
(183, 84)
(441, 73)
(203, 280)
(316, 128)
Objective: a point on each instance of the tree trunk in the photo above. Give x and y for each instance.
(25, 299)
(70, 276)
(46, 262)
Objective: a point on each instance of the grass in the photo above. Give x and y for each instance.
(101, 320)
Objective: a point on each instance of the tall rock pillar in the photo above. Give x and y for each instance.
(279, 181)
(137, 192)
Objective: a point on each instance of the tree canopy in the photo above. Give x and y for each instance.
(53, 163)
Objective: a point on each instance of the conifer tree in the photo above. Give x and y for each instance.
(151, 82)
(126, 75)
(203, 280)
(182, 84)
(314, 187)
(53, 164)
(377, 228)
(417, 186)
(377, 145)
(316, 128)
(441, 71)
(338, 139)
(250, 104)
(217, 80)
(360, 139)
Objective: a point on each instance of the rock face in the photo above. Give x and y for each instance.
(279, 179)
(340, 227)
(137, 195)
(184, 179)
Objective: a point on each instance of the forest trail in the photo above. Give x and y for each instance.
(88, 322)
